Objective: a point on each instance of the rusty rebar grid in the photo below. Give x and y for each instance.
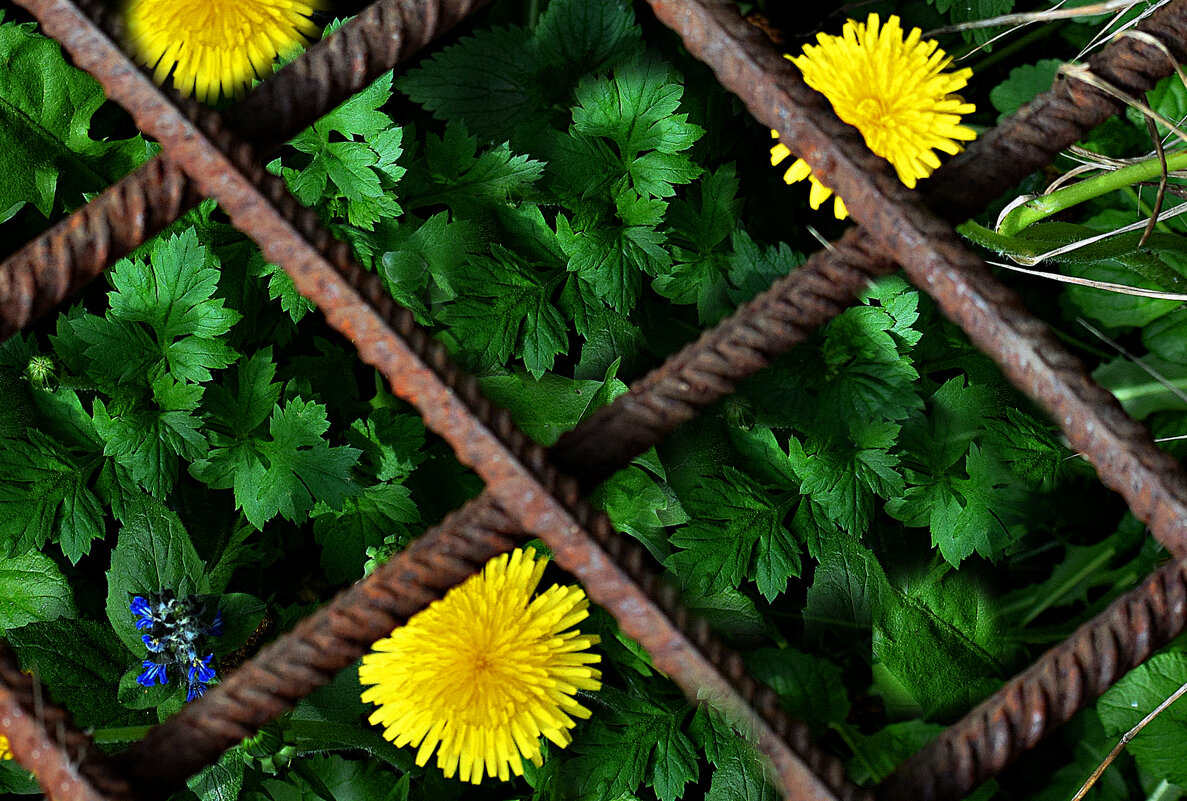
(418, 370)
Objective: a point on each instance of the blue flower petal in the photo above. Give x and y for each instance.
(153, 672)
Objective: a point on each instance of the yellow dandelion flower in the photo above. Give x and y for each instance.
(485, 671)
(892, 89)
(5, 751)
(216, 43)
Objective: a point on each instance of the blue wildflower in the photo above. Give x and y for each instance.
(175, 630)
(153, 672)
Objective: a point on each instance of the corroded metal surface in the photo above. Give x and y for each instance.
(43, 739)
(524, 491)
(738, 347)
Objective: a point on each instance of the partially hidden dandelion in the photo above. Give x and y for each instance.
(216, 44)
(175, 633)
(485, 671)
(891, 88)
(5, 751)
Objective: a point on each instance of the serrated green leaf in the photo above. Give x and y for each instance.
(46, 107)
(44, 496)
(1022, 85)
(32, 589)
(365, 520)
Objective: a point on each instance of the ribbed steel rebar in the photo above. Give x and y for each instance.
(1125, 456)
(44, 740)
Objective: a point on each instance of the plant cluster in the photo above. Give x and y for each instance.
(878, 523)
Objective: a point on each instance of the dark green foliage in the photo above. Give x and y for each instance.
(880, 526)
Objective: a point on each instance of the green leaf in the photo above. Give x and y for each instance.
(173, 293)
(153, 553)
(844, 479)
(1023, 84)
(465, 179)
(612, 259)
(1161, 747)
(80, 662)
(811, 688)
(46, 108)
(285, 473)
(488, 81)
(506, 310)
(221, 781)
(635, 503)
(575, 36)
(312, 777)
(391, 443)
(32, 589)
(634, 740)
(148, 441)
(363, 521)
(850, 586)
(739, 768)
(44, 497)
(547, 407)
(979, 514)
(875, 756)
(936, 645)
(959, 11)
(737, 532)
(636, 108)
(1154, 385)
(753, 269)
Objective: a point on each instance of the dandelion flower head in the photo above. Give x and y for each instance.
(482, 673)
(891, 88)
(216, 44)
(5, 751)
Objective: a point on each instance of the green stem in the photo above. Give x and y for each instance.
(126, 734)
(1042, 207)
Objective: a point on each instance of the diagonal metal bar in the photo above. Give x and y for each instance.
(72, 253)
(418, 369)
(42, 739)
(1125, 456)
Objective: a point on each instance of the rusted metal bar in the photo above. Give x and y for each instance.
(1063, 681)
(418, 369)
(1126, 458)
(43, 739)
(710, 368)
(74, 252)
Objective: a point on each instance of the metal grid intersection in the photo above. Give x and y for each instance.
(531, 491)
